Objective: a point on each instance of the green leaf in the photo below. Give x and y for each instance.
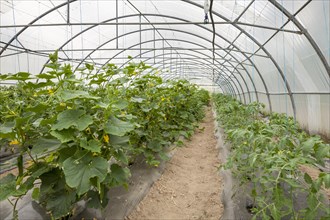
(25, 187)
(64, 135)
(72, 117)
(326, 179)
(122, 104)
(308, 179)
(92, 145)
(96, 200)
(54, 56)
(292, 183)
(75, 94)
(51, 182)
(121, 156)
(33, 85)
(22, 121)
(322, 151)
(60, 203)
(65, 153)
(119, 175)
(46, 76)
(42, 145)
(89, 66)
(308, 145)
(38, 169)
(40, 107)
(6, 129)
(101, 105)
(7, 186)
(118, 127)
(137, 99)
(35, 193)
(78, 170)
(19, 76)
(117, 141)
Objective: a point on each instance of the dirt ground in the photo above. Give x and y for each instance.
(190, 185)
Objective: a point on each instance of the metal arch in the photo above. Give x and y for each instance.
(231, 90)
(203, 27)
(216, 84)
(261, 47)
(191, 62)
(304, 31)
(195, 57)
(33, 21)
(174, 40)
(152, 41)
(71, 1)
(173, 17)
(248, 58)
(210, 63)
(230, 87)
(269, 101)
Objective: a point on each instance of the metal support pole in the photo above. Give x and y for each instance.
(163, 51)
(68, 13)
(154, 45)
(140, 35)
(117, 24)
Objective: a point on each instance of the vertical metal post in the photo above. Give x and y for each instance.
(171, 62)
(176, 64)
(181, 75)
(140, 35)
(163, 51)
(68, 12)
(154, 46)
(116, 24)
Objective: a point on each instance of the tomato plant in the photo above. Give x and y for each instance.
(267, 152)
(76, 132)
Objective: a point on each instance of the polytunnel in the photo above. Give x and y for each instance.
(276, 52)
(267, 51)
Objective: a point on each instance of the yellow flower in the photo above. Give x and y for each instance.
(106, 138)
(35, 95)
(68, 107)
(50, 92)
(62, 104)
(163, 99)
(14, 142)
(88, 130)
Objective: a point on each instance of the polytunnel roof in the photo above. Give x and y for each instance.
(249, 48)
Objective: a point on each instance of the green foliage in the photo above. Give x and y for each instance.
(267, 153)
(80, 130)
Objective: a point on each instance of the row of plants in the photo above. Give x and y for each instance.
(267, 152)
(81, 130)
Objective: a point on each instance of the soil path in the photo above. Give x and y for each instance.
(190, 185)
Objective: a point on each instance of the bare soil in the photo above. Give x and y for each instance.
(190, 185)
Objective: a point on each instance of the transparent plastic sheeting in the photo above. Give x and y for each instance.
(275, 51)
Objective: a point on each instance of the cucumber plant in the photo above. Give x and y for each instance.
(76, 132)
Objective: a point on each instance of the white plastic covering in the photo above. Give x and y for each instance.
(275, 51)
